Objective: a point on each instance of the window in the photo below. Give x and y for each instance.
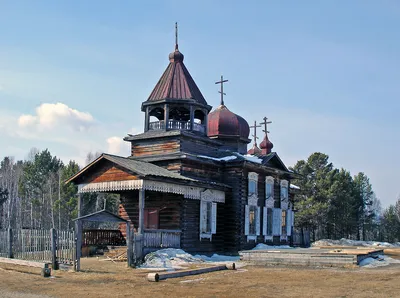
(253, 180)
(284, 222)
(269, 187)
(284, 191)
(208, 219)
(252, 220)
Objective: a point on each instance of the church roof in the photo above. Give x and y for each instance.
(176, 83)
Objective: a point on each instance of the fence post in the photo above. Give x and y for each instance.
(10, 243)
(129, 243)
(53, 238)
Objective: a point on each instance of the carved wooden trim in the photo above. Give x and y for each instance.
(189, 192)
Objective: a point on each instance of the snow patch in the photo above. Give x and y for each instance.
(262, 246)
(169, 258)
(218, 258)
(348, 242)
(172, 258)
(380, 261)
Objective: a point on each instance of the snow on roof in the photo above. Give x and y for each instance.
(252, 158)
(226, 158)
(294, 186)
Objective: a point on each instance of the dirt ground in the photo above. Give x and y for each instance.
(107, 279)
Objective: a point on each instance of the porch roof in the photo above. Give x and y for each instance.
(143, 175)
(143, 169)
(101, 216)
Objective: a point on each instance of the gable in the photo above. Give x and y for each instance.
(275, 162)
(106, 171)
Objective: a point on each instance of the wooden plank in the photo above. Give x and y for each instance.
(24, 263)
(155, 277)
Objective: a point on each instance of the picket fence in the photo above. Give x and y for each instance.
(52, 246)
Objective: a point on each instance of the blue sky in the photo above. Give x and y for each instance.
(73, 74)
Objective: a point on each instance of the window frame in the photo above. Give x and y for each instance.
(208, 216)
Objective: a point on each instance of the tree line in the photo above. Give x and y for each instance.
(33, 193)
(331, 203)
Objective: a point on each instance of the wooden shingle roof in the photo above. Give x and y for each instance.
(176, 83)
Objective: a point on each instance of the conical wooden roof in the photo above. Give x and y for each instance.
(176, 83)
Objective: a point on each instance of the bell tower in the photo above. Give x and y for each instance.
(176, 102)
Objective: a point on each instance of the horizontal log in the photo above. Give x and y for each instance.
(155, 277)
(45, 272)
(24, 263)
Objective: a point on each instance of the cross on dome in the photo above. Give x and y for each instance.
(222, 81)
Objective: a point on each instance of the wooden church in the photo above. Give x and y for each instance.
(190, 181)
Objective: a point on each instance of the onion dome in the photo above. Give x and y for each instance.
(254, 150)
(176, 56)
(266, 145)
(224, 123)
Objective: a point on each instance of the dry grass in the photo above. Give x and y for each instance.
(108, 279)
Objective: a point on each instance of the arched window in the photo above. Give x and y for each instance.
(269, 187)
(253, 181)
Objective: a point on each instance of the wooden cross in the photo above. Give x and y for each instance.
(222, 89)
(265, 123)
(255, 132)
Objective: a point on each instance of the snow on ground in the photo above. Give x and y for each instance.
(218, 258)
(347, 242)
(380, 261)
(171, 258)
(262, 246)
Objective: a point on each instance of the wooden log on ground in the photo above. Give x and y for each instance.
(155, 277)
(45, 272)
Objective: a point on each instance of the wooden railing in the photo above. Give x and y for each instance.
(178, 125)
(162, 238)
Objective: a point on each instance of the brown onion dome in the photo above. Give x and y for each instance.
(266, 145)
(254, 150)
(176, 56)
(224, 123)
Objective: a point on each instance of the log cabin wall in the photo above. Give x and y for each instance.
(233, 209)
(190, 223)
(205, 170)
(165, 145)
(168, 206)
(154, 147)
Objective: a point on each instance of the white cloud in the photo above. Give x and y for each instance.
(50, 115)
(116, 145)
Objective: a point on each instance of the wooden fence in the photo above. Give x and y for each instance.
(51, 246)
(301, 239)
(162, 239)
(3, 244)
(103, 237)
